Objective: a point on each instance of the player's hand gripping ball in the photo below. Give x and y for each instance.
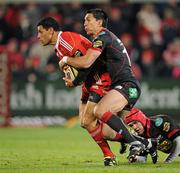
(70, 72)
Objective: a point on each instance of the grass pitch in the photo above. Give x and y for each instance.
(60, 150)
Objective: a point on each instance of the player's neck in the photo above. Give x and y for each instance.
(54, 38)
(98, 30)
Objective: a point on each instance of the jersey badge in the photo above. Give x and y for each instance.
(166, 126)
(158, 122)
(164, 145)
(97, 43)
(133, 93)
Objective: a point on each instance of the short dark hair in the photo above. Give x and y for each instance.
(49, 22)
(99, 14)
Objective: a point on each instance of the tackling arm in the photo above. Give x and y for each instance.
(83, 61)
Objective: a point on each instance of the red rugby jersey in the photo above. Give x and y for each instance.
(70, 43)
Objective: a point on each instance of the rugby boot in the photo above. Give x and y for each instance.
(110, 161)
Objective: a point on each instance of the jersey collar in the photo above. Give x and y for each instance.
(103, 29)
(57, 42)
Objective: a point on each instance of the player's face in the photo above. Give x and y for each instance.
(138, 127)
(44, 36)
(91, 25)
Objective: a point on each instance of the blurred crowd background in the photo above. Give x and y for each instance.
(150, 32)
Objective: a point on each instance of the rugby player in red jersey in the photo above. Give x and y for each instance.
(96, 85)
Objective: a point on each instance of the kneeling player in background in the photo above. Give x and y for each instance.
(160, 127)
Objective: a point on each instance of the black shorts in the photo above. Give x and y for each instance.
(130, 91)
(94, 90)
(94, 97)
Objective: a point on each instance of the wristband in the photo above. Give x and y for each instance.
(65, 58)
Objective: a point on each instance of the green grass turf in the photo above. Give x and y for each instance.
(55, 149)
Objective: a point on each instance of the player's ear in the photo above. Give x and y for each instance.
(100, 22)
(51, 30)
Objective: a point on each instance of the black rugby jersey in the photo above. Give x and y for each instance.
(165, 126)
(115, 56)
(165, 130)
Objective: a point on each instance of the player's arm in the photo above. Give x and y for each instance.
(175, 150)
(78, 80)
(89, 58)
(82, 73)
(81, 77)
(83, 61)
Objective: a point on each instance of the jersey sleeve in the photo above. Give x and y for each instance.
(165, 124)
(81, 77)
(82, 73)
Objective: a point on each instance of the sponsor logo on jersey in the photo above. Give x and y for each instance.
(166, 126)
(97, 43)
(119, 87)
(164, 145)
(158, 122)
(133, 93)
(77, 53)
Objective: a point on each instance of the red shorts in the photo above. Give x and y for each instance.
(96, 87)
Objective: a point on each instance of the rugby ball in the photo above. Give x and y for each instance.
(70, 72)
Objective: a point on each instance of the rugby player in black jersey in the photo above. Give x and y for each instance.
(125, 89)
